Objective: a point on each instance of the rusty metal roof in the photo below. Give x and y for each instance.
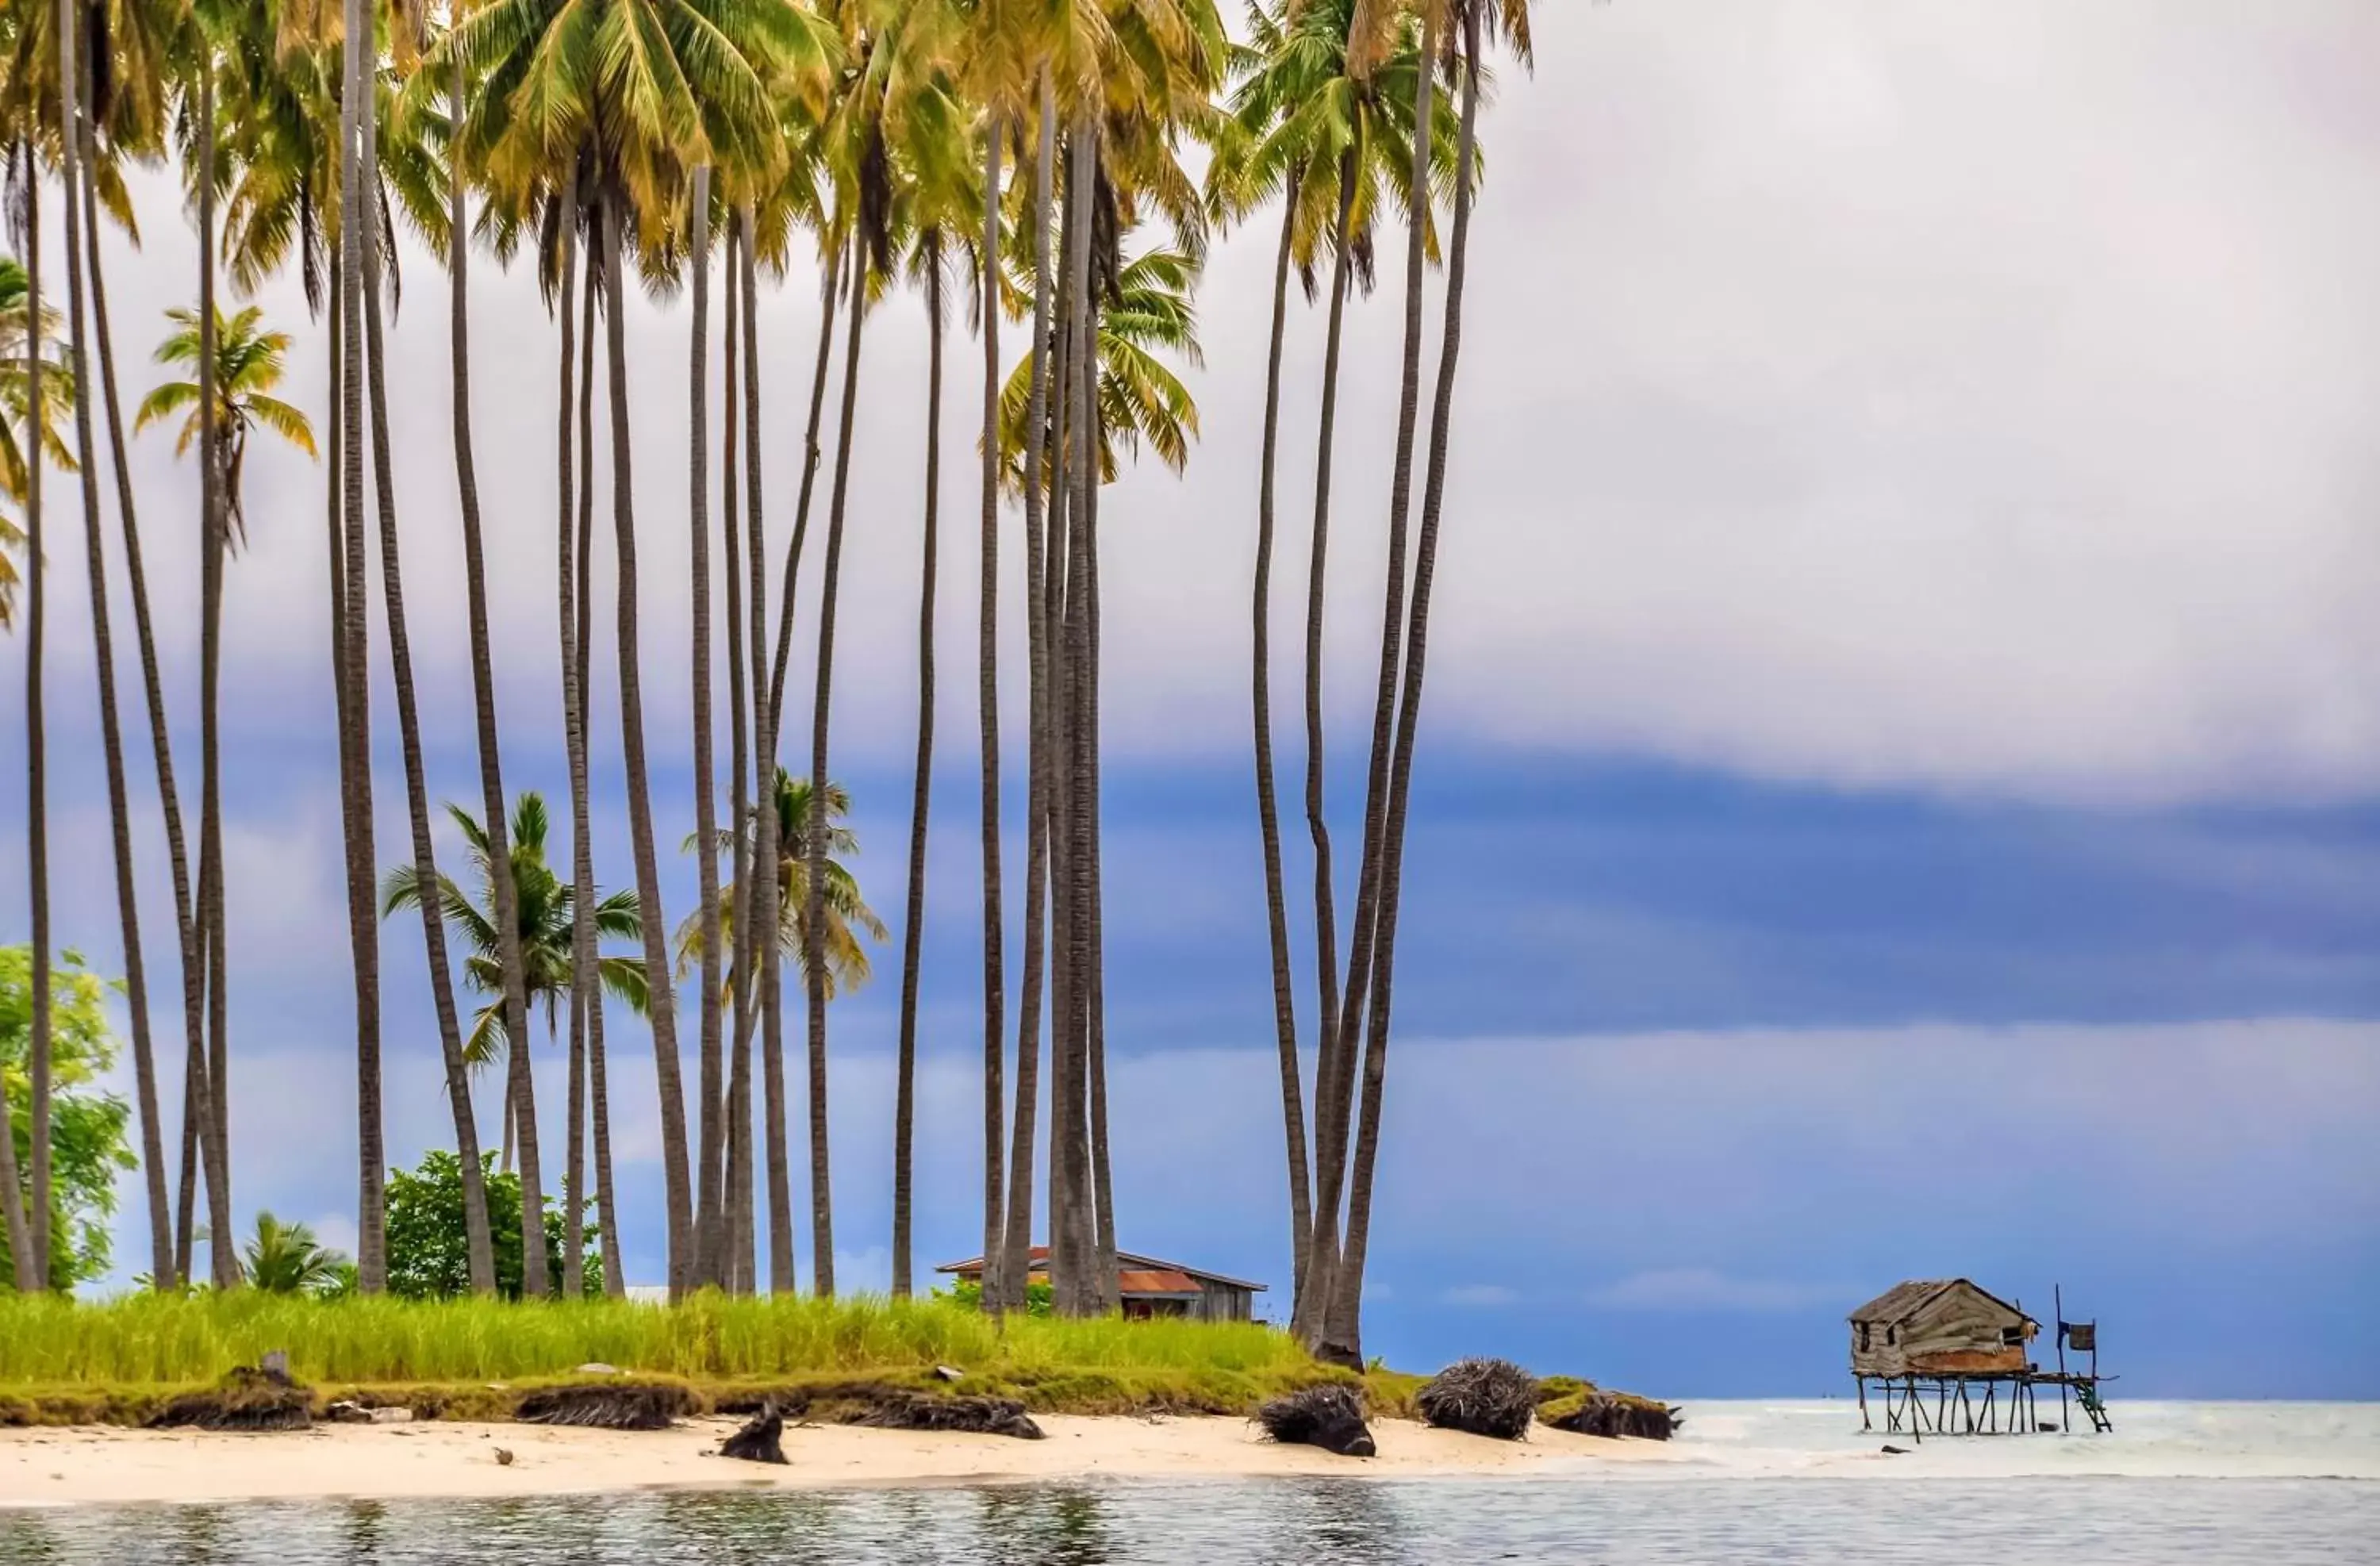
(1145, 1285)
(1130, 1264)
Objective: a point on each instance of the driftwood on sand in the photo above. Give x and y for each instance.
(1329, 1416)
(760, 1439)
(247, 1399)
(986, 1417)
(606, 1408)
(1481, 1397)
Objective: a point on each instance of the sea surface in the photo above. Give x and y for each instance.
(2272, 1483)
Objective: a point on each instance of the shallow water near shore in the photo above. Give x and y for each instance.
(2274, 1484)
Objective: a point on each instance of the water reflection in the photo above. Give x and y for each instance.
(1332, 1520)
(1810, 1521)
(1050, 1527)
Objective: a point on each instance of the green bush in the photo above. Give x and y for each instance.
(429, 1256)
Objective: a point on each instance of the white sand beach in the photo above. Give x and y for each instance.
(106, 1465)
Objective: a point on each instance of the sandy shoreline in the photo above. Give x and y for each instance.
(93, 1466)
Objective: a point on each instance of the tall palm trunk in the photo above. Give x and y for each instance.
(640, 807)
(814, 909)
(1106, 1282)
(739, 978)
(1057, 726)
(1072, 690)
(581, 657)
(1363, 936)
(905, 1110)
(836, 264)
(520, 1097)
(1344, 1330)
(585, 995)
(1331, 1071)
(711, 1175)
(29, 1233)
(759, 910)
(1017, 1247)
(144, 1060)
(1284, 1006)
(210, 1076)
(73, 147)
(355, 631)
(169, 796)
(372, 1259)
(1097, 1221)
(995, 1108)
(769, 849)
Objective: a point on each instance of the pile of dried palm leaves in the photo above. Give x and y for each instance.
(1329, 1416)
(1481, 1397)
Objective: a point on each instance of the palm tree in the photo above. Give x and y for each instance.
(1142, 400)
(73, 145)
(140, 40)
(930, 264)
(355, 634)
(571, 528)
(285, 1258)
(1015, 1245)
(239, 366)
(994, 55)
(1326, 115)
(925, 125)
(640, 94)
(248, 364)
(1305, 123)
(26, 325)
(848, 923)
(1341, 1335)
(544, 909)
(861, 162)
(521, 1096)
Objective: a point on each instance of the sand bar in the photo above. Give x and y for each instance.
(105, 1465)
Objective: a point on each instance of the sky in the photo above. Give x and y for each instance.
(1900, 791)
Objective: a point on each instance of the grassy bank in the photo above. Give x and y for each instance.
(118, 1361)
(124, 1361)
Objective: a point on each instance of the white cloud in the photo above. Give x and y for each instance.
(1705, 1288)
(1819, 419)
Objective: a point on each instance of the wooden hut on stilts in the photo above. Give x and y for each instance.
(1947, 1357)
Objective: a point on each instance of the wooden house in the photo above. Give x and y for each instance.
(1939, 1328)
(1150, 1287)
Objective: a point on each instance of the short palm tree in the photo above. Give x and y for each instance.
(546, 905)
(848, 917)
(285, 1258)
(1142, 400)
(249, 363)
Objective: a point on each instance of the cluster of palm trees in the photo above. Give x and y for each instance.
(1017, 149)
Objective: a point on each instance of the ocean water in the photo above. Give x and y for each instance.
(2275, 1485)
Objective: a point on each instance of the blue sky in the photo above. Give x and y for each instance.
(1900, 794)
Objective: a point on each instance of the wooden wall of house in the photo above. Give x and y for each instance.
(1219, 1302)
(1958, 1330)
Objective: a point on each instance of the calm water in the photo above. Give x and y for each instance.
(1776, 1484)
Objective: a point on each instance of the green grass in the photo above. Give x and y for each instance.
(116, 1361)
(151, 1338)
(119, 1360)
